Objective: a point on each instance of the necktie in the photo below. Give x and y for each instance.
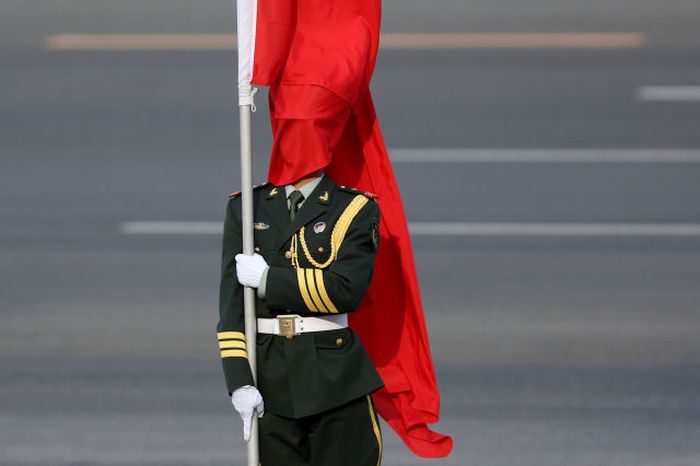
(295, 198)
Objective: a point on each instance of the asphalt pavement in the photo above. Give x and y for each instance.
(551, 349)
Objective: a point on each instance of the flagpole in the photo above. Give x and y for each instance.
(247, 229)
(245, 31)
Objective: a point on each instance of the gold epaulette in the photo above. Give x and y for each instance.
(235, 194)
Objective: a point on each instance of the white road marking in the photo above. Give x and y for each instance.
(171, 228)
(59, 42)
(669, 93)
(554, 229)
(457, 229)
(472, 155)
(456, 40)
(513, 40)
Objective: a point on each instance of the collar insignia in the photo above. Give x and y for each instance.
(273, 192)
(324, 196)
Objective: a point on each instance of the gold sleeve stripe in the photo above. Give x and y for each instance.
(311, 282)
(304, 290)
(232, 344)
(230, 335)
(375, 427)
(234, 353)
(318, 273)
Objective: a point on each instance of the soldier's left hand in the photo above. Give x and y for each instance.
(249, 269)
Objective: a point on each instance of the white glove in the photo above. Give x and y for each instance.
(246, 400)
(249, 269)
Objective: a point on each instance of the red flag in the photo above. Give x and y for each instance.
(318, 57)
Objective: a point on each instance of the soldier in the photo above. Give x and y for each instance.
(315, 246)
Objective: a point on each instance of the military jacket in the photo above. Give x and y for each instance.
(321, 263)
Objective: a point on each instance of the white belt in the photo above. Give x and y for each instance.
(289, 325)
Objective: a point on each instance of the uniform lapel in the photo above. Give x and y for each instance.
(274, 207)
(315, 205)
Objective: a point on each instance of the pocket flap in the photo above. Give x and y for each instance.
(335, 339)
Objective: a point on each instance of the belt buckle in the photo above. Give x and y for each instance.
(287, 326)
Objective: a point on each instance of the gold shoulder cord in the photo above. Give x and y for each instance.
(337, 236)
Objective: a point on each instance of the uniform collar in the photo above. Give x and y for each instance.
(316, 204)
(307, 189)
(320, 193)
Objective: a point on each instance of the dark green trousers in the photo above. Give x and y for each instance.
(348, 435)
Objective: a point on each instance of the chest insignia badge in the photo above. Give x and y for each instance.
(319, 227)
(261, 226)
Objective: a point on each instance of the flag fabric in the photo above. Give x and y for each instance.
(317, 57)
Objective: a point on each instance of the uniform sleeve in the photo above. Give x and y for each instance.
(263, 284)
(338, 288)
(231, 326)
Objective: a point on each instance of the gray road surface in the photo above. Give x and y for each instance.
(550, 350)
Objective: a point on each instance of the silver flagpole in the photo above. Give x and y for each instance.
(247, 228)
(245, 18)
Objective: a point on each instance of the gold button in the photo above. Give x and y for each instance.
(257, 248)
(320, 249)
(339, 341)
(288, 254)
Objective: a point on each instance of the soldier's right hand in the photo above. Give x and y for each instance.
(247, 400)
(249, 269)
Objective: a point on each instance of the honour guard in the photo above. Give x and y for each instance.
(315, 246)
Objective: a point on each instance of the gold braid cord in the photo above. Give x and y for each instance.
(337, 236)
(311, 280)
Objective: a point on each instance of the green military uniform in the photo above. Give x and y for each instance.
(315, 385)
